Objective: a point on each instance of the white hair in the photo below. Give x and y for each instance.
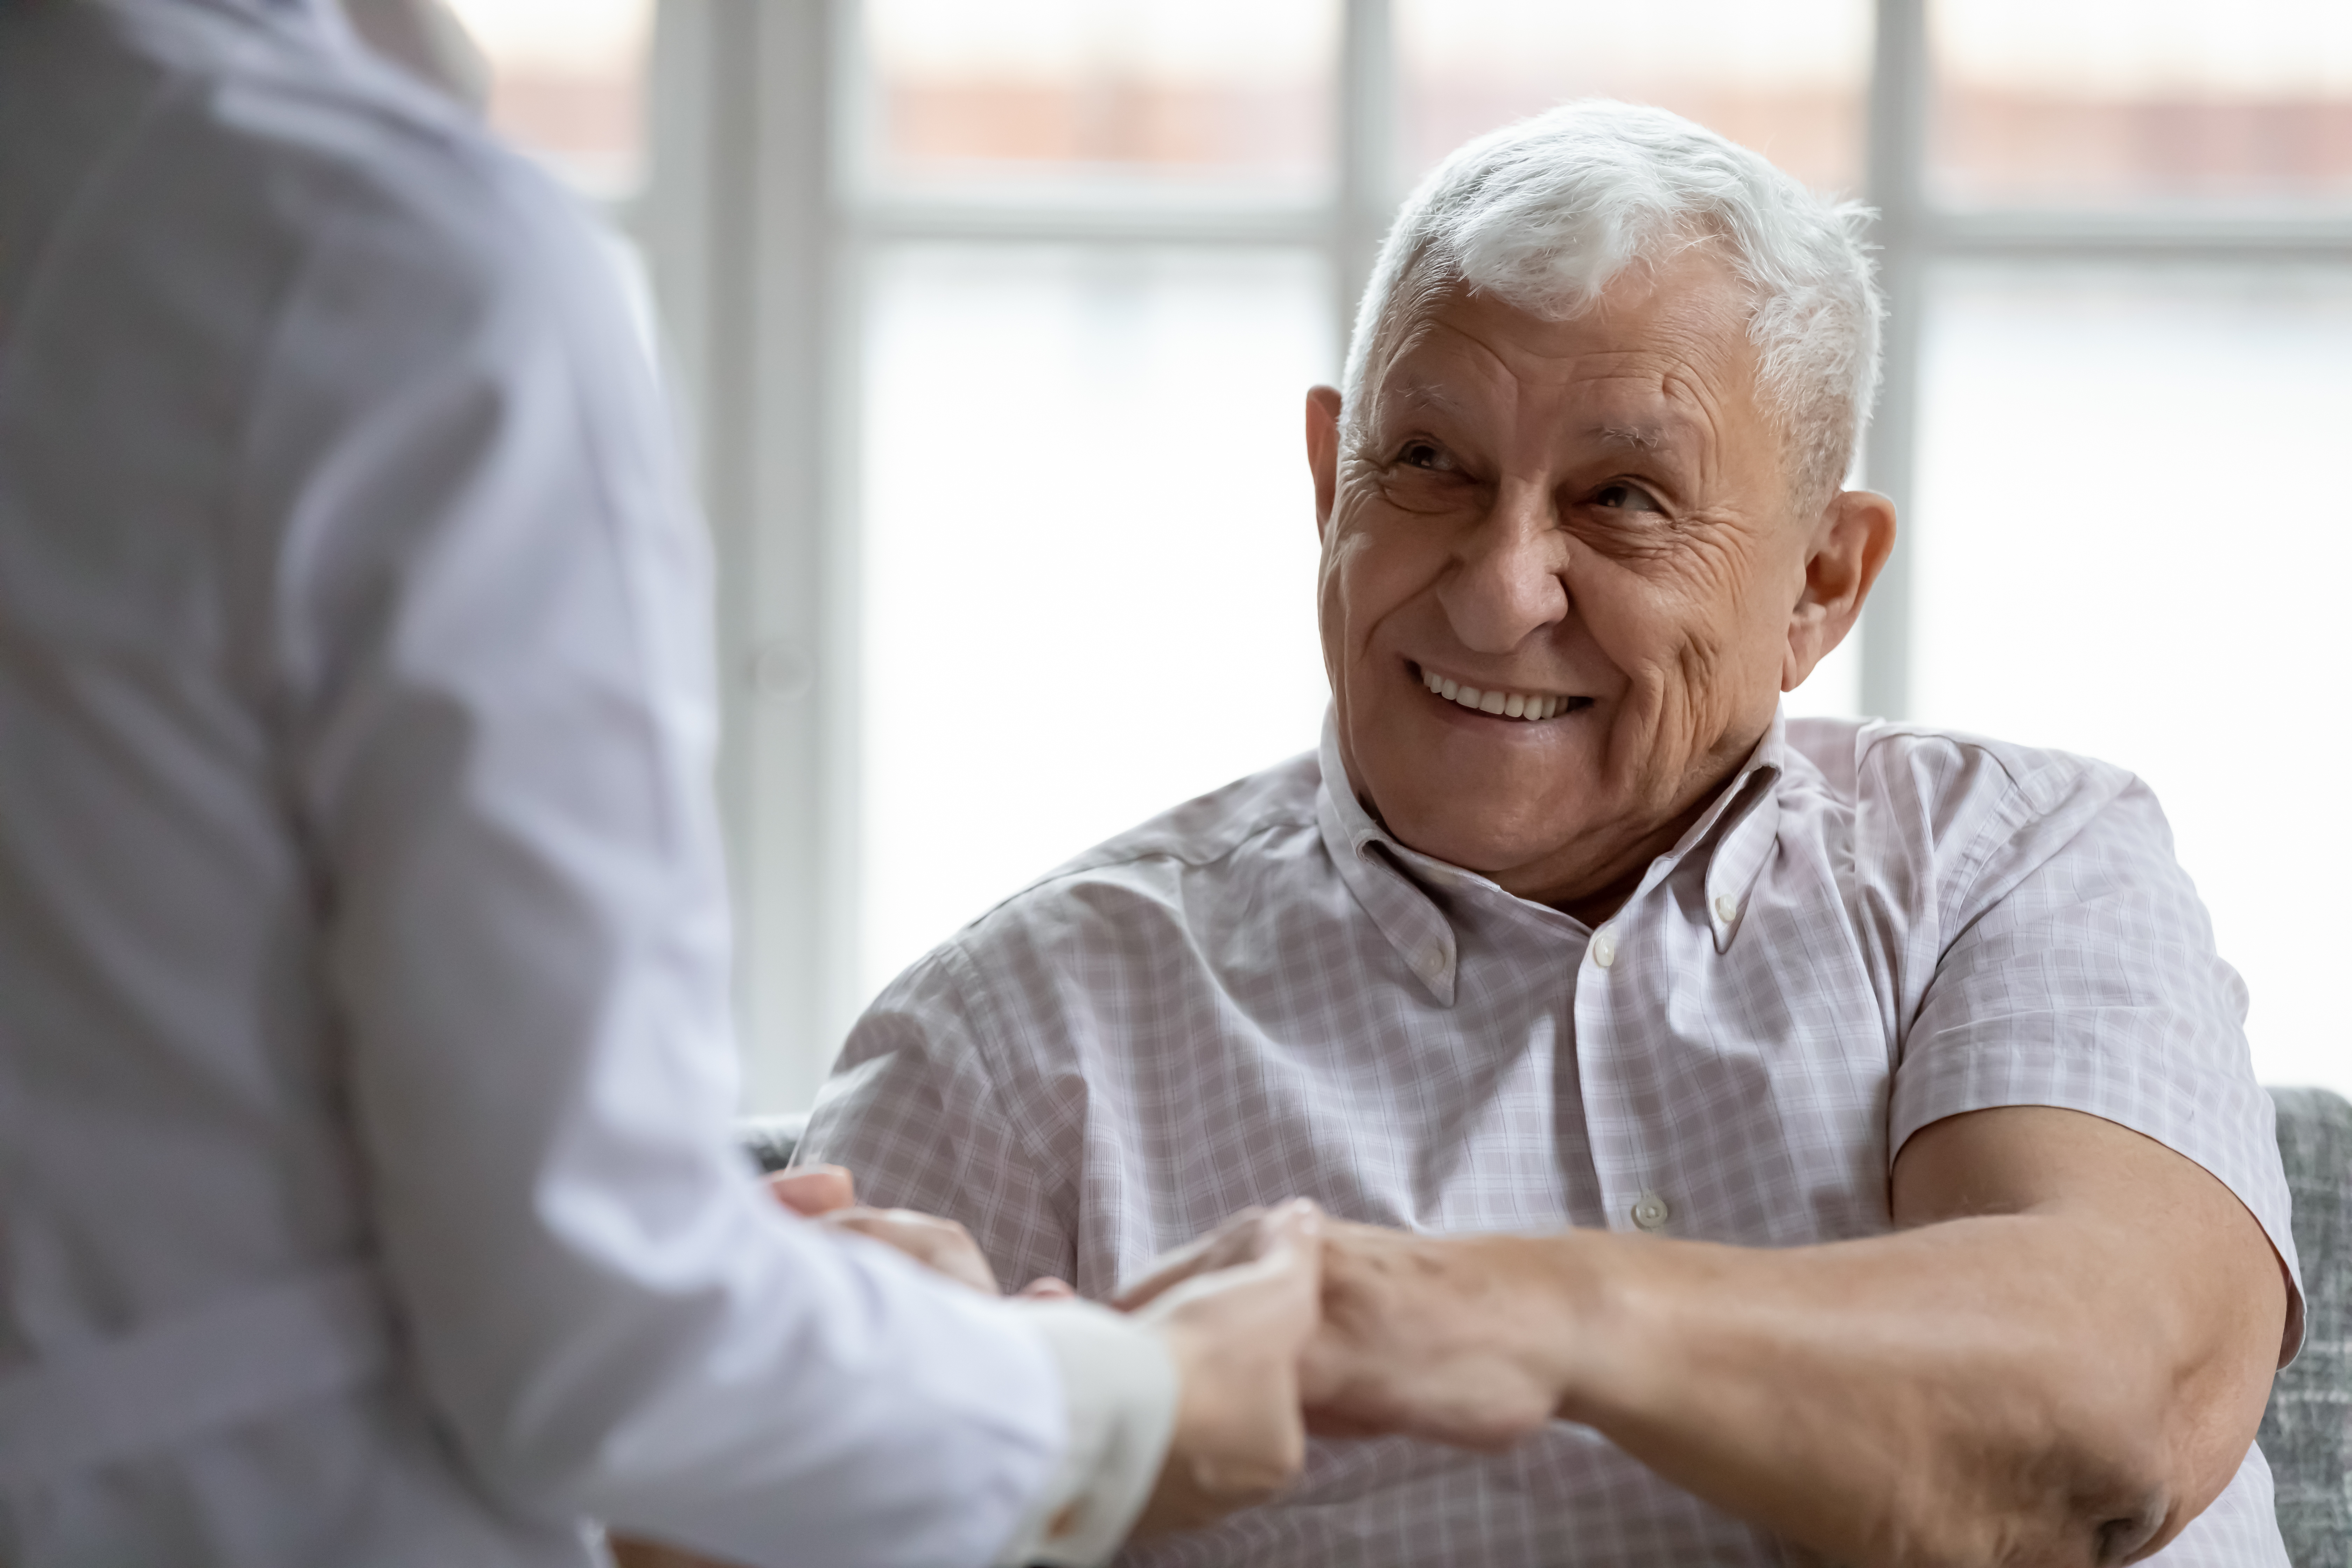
(1547, 213)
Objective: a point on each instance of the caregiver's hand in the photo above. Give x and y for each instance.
(1237, 1328)
(827, 1195)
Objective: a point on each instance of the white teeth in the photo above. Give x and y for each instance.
(1506, 704)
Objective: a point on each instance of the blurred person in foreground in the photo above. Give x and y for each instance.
(366, 1188)
(1824, 1137)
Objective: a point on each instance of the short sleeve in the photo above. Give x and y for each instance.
(2083, 975)
(916, 1110)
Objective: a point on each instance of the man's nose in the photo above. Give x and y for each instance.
(1508, 581)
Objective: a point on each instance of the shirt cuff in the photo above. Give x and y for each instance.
(1119, 1387)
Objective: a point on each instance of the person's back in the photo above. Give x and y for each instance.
(365, 1189)
(172, 1136)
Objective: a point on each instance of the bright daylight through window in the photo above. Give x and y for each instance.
(567, 82)
(1015, 534)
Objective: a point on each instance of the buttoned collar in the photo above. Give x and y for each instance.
(1397, 885)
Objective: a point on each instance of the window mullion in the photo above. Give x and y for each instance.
(1899, 87)
(1367, 152)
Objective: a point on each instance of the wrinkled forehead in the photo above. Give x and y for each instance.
(1658, 362)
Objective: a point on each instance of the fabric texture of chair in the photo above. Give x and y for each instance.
(771, 1140)
(2307, 1430)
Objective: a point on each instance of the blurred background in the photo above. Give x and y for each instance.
(988, 322)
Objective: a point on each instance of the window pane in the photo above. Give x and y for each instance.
(1024, 92)
(1789, 80)
(567, 82)
(2113, 101)
(1089, 556)
(1834, 688)
(2133, 533)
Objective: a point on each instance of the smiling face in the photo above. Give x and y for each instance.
(1564, 577)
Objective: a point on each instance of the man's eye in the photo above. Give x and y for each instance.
(1625, 497)
(1426, 455)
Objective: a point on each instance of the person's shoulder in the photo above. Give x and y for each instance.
(294, 125)
(1212, 827)
(1127, 901)
(1219, 831)
(1958, 819)
(1867, 762)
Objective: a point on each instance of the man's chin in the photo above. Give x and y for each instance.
(1491, 843)
(1489, 811)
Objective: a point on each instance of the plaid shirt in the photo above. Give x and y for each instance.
(1262, 993)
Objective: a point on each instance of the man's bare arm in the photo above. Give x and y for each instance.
(2061, 1357)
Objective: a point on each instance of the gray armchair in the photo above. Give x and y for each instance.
(2308, 1431)
(771, 1140)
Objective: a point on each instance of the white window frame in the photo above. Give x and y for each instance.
(759, 230)
(1914, 235)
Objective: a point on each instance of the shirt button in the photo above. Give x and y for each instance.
(1651, 1212)
(1604, 947)
(1727, 908)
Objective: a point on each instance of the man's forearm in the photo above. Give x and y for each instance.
(2069, 1383)
(1976, 1392)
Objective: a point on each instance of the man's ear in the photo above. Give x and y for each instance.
(1323, 449)
(1851, 540)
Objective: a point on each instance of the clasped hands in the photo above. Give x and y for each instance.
(1282, 1321)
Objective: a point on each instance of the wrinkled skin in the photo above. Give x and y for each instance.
(1600, 510)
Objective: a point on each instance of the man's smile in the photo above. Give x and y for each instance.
(1531, 705)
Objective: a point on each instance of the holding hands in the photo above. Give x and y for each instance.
(1417, 1334)
(1235, 1309)
(1278, 1320)
(1283, 1320)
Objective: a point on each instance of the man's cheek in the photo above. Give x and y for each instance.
(1628, 614)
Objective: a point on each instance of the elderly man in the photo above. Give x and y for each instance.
(1823, 1137)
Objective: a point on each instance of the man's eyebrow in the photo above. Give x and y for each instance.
(1635, 438)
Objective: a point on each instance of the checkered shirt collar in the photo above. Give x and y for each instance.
(1393, 882)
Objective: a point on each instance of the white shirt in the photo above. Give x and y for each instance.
(366, 1188)
(1262, 992)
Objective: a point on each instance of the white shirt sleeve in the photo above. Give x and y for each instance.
(1119, 1388)
(487, 606)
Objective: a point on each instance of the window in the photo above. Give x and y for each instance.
(566, 82)
(995, 317)
(2123, 242)
(1076, 98)
(1790, 80)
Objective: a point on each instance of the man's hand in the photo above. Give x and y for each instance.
(1411, 1339)
(1236, 1309)
(1424, 1335)
(812, 1190)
